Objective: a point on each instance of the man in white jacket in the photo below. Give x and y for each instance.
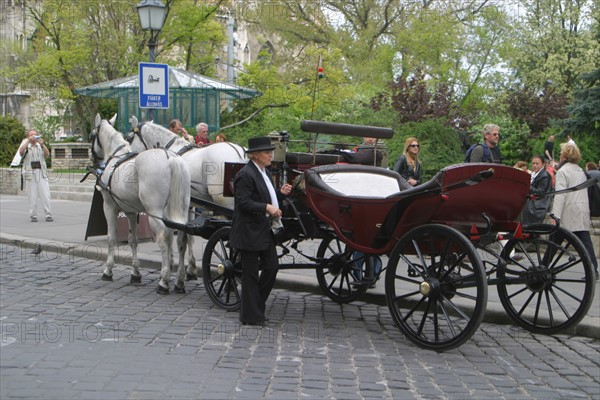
(34, 153)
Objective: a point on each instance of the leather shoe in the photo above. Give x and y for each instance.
(261, 323)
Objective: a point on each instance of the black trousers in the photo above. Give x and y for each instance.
(257, 287)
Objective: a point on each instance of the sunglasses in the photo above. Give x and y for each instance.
(414, 145)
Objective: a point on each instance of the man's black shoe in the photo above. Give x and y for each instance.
(261, 324)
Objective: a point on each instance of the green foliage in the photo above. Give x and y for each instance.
(192, 29)
(585, 110)
(12, 133)
(554, 43)
(46, 127)
(590, 148)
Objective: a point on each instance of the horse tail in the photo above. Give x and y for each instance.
(178, 203)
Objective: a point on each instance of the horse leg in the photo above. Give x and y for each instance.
(182, 239)
(164, 239)
(192, 272)
(111, 222)
(132, 239)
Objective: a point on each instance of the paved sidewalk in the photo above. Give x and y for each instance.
(66, 234)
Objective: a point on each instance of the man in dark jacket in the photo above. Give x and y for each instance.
(541, 184)
(256, 213)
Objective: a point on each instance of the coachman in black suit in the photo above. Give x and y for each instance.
(541, 184)
(255, 210)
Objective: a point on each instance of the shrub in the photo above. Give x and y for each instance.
(12, 132)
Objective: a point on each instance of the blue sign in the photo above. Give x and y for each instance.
(154, 85)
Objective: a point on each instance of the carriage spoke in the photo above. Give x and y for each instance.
(406, 296)
(559, 302)
(550, 314)
(568, 293)
(424, 318)
(520, 312)
(447, 317)
(537, 307)
(415, 308)
(219, 271)
(339, 268)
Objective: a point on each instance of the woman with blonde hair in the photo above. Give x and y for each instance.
(572, 209)
(408, 165)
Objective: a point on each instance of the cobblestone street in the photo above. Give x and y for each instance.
(67, 334)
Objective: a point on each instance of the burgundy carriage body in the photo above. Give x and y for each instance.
(372, 223)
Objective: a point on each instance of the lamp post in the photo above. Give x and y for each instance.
(152, 17)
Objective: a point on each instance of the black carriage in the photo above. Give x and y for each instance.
(439, 245)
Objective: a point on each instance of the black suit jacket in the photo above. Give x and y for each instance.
(251, 228)
(535, 211)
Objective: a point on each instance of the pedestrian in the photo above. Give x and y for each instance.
(408, 164)
(549, 149)
(175, 126)
(202, 135)
(572, 209)
(256, 215)
(488, 151)
(541, 184)
(592, 169)
(220, 138)
(33, 151)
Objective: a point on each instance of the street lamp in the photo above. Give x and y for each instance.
(152, 17)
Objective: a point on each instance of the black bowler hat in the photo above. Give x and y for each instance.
(259, 144)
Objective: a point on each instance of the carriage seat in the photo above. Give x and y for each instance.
(309, 158)
(347, 180)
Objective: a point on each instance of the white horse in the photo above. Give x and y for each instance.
(206, 166)
(156, 182)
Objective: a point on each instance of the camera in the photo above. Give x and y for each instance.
(37, 137)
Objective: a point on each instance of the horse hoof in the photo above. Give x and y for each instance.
(107, 278)
(179, 289)
(191, 277)
(135, 279)
(162, 290)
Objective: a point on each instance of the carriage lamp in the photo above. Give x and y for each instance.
(152, 15)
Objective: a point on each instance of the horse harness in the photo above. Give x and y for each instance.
(137, 132)
(101, 170)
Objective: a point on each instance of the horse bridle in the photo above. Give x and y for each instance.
(137, 132)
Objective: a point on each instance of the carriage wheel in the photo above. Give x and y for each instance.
(548, 284)
(436, 287)
(343, 274)
(221, 271)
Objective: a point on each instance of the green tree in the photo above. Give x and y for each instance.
(556, 44)
(192, 36)
(585, 110)
(77, 44)
(12, 132)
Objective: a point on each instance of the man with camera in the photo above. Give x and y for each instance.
(34, 153)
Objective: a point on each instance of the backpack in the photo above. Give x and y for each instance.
(594, 197)
(486, 152)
